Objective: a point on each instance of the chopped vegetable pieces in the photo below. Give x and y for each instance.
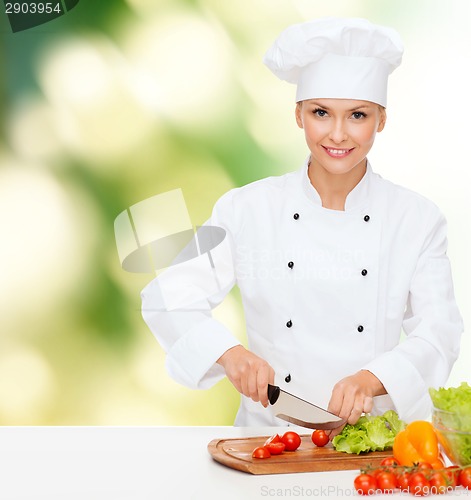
(369, 434)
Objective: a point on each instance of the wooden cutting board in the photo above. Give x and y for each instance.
(237, 454)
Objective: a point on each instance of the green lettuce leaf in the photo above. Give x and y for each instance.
(456, 405)
(456, 400)
(355, 441)
(369, 434)
(379, 434)
(395, 423)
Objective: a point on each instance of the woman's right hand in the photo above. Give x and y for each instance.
(249, 373)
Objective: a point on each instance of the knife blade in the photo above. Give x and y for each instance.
(300, 412)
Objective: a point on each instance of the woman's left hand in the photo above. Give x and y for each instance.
(353, 396)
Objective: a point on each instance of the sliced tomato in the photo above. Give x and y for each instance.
(275, 448)
(273, 439)
(261, 452)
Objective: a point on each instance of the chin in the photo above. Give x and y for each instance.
(339, 170)
(339, 167)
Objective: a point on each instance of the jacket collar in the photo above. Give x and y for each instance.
(357, 197)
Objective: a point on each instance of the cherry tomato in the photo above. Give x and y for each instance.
(375, 472)
(291, 440)
(403, 480)
(389, 462)
(275, 448)
(425, 468)
(452, 473)
(365, 484)
(465, 478)
(319, 438)
(438, 483)
(386, 481)
(418, 484)
(437, 464)
(272, 439)
(261, 452)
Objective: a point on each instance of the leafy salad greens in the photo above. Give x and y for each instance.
(456, 400)
(456, 415)
(369, 433)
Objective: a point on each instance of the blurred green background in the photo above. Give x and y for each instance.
(120, 100)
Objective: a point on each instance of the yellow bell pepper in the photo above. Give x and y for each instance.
(416, 443)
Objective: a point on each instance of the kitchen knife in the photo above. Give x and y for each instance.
(300, 412)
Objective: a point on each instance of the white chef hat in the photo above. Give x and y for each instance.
(343, 58)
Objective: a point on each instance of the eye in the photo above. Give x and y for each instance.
(358, 115)
(320, 112)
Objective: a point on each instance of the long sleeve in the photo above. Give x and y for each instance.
(433, 328)
(177, 305)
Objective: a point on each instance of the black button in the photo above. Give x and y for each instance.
(289, 324)
(364, 272)
(296, 216)
(360, 328)
(288, 378)
(291, 265)
(366, 218)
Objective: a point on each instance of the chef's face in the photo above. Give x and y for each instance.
(339, 132)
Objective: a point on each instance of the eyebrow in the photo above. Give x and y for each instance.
(356, 108)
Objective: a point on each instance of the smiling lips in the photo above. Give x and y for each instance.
(338, 153)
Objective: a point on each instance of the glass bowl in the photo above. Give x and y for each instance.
(454, 434)
(452, 420)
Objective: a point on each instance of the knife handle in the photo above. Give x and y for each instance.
(273, 393)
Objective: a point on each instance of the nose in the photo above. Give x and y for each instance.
(338, 132)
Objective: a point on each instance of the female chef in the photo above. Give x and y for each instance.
(332, 261)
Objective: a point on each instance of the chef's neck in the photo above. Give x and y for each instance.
(333, 188)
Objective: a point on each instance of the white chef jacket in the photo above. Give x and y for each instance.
(325, 294)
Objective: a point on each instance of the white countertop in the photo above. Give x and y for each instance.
(145, 463)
